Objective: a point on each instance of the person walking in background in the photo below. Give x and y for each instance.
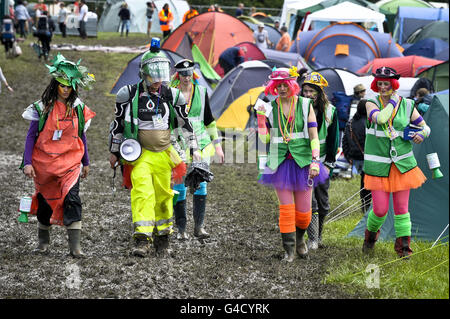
(204, 124)
(3, 79)
(359, 93)
(190, 14)
(8, 35)
(149, 13)
(293, 165)
(22, 16)
(165, 20)
(124, 15)
(328, 132)
(353, 147)
(82, 19)
(261, 37)
(62, 19)
(284, 44)
(231, 58)
(56, 153)
(239, 10)
(45, 28)
(389, 162)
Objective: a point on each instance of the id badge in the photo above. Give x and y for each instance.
(158, 121)
(57, 135)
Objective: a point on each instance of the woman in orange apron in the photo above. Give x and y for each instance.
(56, 153)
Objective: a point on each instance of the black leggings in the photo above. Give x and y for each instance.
(72, 207)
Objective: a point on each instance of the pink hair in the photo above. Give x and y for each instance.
(394, 84)
(271, 87)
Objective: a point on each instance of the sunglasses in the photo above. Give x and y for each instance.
(385, 71)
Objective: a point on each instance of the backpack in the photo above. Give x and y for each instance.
(43, 118)
(7, 29)
(42, 24)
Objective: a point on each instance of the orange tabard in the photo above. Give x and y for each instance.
(57, 163)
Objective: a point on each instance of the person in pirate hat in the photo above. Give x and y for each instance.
(293, 163)
(204, 124)
(389, 162)
(147, 112)
(328, 130)
(53, 158)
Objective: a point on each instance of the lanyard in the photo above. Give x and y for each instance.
(284, 131)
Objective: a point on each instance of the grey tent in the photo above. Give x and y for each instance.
(428, 205)
(238, 81)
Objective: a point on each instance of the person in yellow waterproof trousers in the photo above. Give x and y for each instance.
(147, 112)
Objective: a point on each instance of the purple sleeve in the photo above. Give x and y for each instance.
(85, 159)
(29, 142)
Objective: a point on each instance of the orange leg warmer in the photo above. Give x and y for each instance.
(287, 218)
(302, 219)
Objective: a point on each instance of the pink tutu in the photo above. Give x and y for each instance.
(292, 177)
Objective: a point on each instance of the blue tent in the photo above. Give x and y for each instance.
(427, 48)
(409, 19)
(344, 45)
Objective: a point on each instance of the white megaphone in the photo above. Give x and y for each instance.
(130, 150)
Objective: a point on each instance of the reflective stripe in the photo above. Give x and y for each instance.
(387, 160)
(163, 222)
(378, 133)
(144, 223)
(279, 140)
(149, 235)
(305, 109)
(322, 141)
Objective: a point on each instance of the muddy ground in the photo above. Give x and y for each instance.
(240, 261)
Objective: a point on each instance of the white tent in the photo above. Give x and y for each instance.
(110, 21)
(290, 7)
(344, 11)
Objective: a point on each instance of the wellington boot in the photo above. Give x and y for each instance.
(161, 244)
(44, 241)
(200, 233)
(313, 232)
(289, 246)
(199, 208)
(301, 247)
(370, 238)
(74, 243)
(402, 247)
(141, 247)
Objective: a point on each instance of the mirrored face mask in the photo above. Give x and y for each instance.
(156, 72)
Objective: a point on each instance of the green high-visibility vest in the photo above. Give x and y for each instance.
(196, 116)
(299, 145)
(380, 151)
(323, 132)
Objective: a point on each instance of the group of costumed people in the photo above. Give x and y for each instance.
(170, 120)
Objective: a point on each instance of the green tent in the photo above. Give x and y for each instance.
(207, 70)
(428, 205)
(390, 7)
(438, 75)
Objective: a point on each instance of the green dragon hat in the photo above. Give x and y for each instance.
(68, 73)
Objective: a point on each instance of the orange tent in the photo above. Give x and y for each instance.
(406, 66)
(212, 32)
